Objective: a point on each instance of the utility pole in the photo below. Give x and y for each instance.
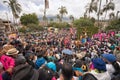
(46, 7)
(99, 14)
(8, 22)
(45, 18)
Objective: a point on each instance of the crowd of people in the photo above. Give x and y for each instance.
(59, 56)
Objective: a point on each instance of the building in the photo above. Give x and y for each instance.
(6, 27)
(103, 24)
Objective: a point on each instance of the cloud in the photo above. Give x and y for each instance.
(2, 7)
(74, 7)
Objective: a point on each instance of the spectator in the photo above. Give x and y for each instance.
(67, 73)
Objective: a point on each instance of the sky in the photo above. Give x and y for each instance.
(74, 7)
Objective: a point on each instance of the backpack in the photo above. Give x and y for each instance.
(24, 72)
(88, 76)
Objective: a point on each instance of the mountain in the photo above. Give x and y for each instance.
(66, 19)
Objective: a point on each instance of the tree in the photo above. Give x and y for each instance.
(34, 27)
(58, 17)
(83, 22)
(92, 6)
(99, 12)
(44, 18)
(31, 22)
(29, 19)
(59, 25)
(92, 19)
(114, 25)
(109, 6)
(85, 25)
(62, 11)
(23, 29)
(15, 8)
(51, 19)
(111, 16)
(117, 14)
(71, 18)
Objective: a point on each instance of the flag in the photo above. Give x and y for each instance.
(46, 4)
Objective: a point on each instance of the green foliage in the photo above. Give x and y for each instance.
(23, 30)
(59, 25)
(58, 17)
(14, 6)
(83, 22)
(93, 19)
(89, 30)
(114, 25)
(85, 25)
(109, 6)
(34, 27)
(62, 11)
(29, 19)
(30, 28)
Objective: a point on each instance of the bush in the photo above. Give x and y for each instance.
(59, 25)
(27, 19)
(114, 25)
(34, 27)
(83, 22)
(85, 25)
(22, 30)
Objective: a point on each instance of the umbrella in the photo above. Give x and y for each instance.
(67, 51)
(118, 35)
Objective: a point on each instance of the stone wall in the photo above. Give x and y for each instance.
(2, 28)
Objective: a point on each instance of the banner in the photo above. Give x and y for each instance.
(46, 4)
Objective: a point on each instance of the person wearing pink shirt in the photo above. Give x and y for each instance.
(8, 65)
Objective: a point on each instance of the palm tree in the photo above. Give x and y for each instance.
(71, 18)
(15, 8)
(111, 16)
(100, 12)
(107, 7)
(58, 17)
(51, 19)
(62, 11)
(117, 14)
(92, 6)
(85, 14)
(46, 20)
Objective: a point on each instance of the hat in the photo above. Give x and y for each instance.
(12, 51)
(51, 65)
(78, 69)
(39, 62)
(7, 47)
(109, 57)
(99, 64)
